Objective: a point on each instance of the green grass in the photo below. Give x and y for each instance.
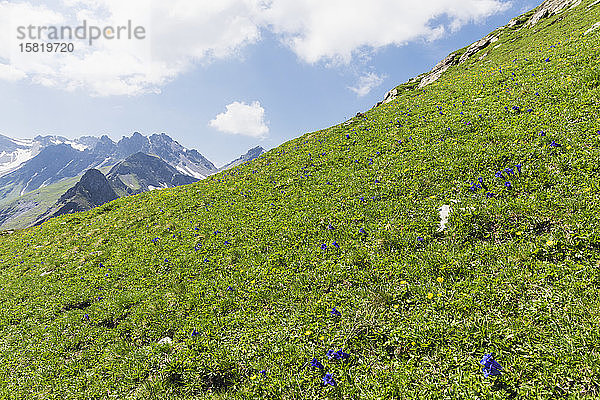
(33, 204)
(86, 298)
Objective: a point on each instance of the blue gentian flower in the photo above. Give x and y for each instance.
(498, 174)
(491, 367)
(330, 354)
(315, 363)
(323, 246)
(420, 239)
(263, 372)
(328, 380)
(340, 355)
(509, 171)
(489, 194)
(361, 230)
(507, 184)
(518, 166)
(229, 289)
(195, 333)
(335, 244)
(335, 312)
(554, 144)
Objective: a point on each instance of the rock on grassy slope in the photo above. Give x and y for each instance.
(242, 271)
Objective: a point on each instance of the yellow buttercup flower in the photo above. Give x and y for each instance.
(430, 295)
(440, 279)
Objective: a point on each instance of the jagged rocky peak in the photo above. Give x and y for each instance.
(94, 185)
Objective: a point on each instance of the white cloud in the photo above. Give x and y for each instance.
(366, 83)
(10, 73)
(184, 33)
(242, 119)
(336, 30)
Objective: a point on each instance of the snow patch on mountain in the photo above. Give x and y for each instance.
(10, 161)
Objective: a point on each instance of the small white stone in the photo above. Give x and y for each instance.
(444, 213)
(593, 28)
(165, 340)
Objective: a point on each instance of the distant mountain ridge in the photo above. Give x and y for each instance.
(249, 156)
(136, 174)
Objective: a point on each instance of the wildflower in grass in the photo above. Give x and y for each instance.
(195, 333)
(498, 175)
(440, 279)
(491, 367)
(554, 144)
(480, 179)
(323, 246)
(420, 239)
(430, 295)
(507, 184)
(509, 171)
(347, 136)
(328, 380)
(330, 227)
(341, 355)
(361, 230)
(518, 166)
(86, 317)
(316, 364)
(335, 312)
(229, 289)
(330, 354)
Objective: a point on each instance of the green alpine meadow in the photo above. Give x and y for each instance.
(444, 244)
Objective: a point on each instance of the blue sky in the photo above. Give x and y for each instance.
(259, 81)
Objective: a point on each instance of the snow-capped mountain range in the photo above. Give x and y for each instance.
(27, 165)
(15, 152)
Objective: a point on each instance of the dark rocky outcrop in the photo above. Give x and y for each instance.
(91, 191)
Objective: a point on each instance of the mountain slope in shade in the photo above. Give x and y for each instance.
(142, 172)
(249, 156)
(138, 173)
(91, 191)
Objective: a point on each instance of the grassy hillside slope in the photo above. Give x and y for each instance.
(242, 270)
